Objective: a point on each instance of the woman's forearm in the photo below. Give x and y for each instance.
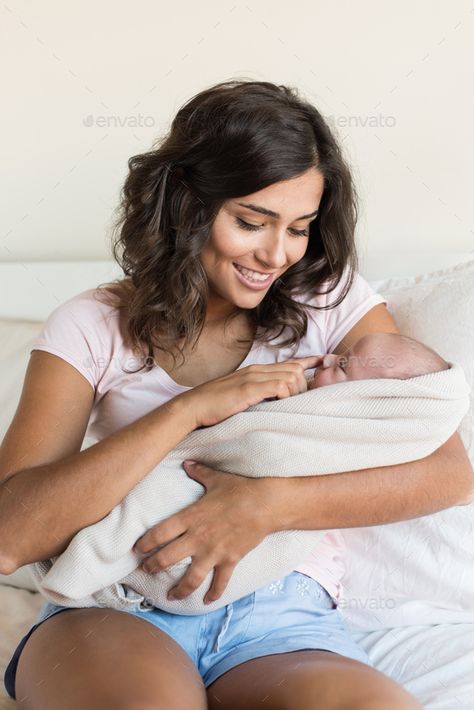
(42, 508)
(373, 496)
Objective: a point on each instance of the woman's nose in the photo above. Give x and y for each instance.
(272, 253)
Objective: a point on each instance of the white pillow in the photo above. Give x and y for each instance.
(420, 571)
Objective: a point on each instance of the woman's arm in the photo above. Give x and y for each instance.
(49, 490)
(372, 496)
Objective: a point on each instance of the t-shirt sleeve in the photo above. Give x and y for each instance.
(72, 332)
(360, 298)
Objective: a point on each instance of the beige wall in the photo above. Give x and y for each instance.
(395, 79)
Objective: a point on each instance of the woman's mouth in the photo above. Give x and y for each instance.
(252, 279)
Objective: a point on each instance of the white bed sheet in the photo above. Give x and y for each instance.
(434, 663)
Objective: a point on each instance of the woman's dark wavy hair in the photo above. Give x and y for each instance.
(229, 140)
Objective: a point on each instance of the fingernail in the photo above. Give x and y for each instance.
(189, 461)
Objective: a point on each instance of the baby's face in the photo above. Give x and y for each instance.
(366, 359)
(333, 369)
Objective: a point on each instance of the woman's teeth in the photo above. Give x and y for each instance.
(251, 275)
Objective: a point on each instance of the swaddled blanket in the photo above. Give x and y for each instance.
(344, 426)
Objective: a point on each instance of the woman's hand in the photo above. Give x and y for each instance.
(218, 399)
(216, 531)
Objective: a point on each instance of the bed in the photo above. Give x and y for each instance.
(408, 591)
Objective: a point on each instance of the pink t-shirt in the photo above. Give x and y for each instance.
(84, 332)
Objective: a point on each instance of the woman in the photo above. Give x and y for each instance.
(228, 231)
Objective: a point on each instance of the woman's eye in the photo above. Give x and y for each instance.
(254, 227)
(301, 232)
(246, 225)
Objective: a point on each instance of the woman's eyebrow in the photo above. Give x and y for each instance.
(271, 213)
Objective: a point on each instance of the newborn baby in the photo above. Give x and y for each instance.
(378, 355)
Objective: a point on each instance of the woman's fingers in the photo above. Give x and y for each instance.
(160, 534)
(283, 379)
(222, 575)
(191, 580)
(168, 555)
(309, 361)
(195, 576)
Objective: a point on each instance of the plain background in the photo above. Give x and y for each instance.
(88, 84)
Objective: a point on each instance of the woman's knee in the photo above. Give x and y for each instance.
(101, 658)
(346, 685)
(310, 679)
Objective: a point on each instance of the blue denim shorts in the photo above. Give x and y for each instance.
(291, 614)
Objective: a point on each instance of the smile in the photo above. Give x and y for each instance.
(252, 279)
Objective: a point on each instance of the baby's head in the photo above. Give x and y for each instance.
(378, 355)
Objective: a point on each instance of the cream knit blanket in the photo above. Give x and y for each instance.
(340, 427)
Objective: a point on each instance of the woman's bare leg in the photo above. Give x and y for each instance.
(310, 679)
(104, 659)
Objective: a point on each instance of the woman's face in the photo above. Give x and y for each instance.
(270, 244)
